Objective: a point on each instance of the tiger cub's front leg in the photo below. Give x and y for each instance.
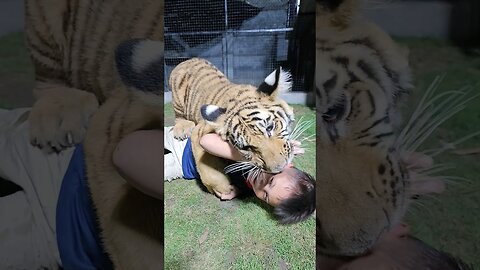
(60, 116)
(210, 167)
(183, 128)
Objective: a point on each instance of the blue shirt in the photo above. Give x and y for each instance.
(78, 239)
(189, 167)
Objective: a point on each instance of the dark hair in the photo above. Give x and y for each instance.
(301, 204)
(436, 259)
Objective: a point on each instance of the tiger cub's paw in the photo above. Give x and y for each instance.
(227, 193)
(183, 129)
(60, 121)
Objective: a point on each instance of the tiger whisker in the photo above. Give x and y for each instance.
(420, 106)
(296, 125)
(299, 126)
(434, 169)
(425, 201)
(304, 126)
(428, 95)
(426, 130)
(449, 179)
(472, 190)
(308, 138)
(430, 197)
(444, 110)
(249, 172)
(237, 166)
(259, 172)
(454, 180)
(254, 173)
(425, 121)
(437, 151)
(428, 120)
(294, 130)
(420, 205)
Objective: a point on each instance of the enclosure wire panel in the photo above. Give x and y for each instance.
(245, 39)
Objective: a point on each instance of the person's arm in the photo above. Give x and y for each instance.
(139, 158)
(215, 145)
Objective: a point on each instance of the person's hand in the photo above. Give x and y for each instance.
(297, 150)
(420, 181)
(416, 161)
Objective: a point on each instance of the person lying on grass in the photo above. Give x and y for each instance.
(291, 192)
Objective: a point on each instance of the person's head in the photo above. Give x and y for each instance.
(291, 193)
(400, 251)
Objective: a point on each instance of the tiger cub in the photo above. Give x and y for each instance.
(253, 119)
(361, 75)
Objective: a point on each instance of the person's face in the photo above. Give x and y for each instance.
(273, 188)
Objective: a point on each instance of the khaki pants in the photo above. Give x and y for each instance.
(27, 218)
(173, 161)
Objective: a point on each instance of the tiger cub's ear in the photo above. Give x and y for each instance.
(140, 64)
(279, 81)
(212, 113)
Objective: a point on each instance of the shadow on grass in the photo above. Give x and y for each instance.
(247, 197)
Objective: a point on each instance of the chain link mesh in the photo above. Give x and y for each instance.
(245, 39)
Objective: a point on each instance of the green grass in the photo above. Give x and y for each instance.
(450, 221)
(201, 232)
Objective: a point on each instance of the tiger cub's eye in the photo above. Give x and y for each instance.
(246, 148)
(335, 112)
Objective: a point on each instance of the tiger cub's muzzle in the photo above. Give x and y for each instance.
(361, 194)
(272, 156)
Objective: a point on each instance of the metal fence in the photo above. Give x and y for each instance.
(246, 39)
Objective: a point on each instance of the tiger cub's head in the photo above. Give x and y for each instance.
(362, 181)
(257, 122)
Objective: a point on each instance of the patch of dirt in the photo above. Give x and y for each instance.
(203, 237)
(170, 202)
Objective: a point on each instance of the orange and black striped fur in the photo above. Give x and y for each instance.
(361, 75)
(252, 119)
(72, 45)
(131, 222)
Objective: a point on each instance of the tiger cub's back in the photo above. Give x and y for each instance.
(73, 43)
(197, 82)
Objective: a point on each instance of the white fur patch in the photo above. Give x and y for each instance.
(263, 115)
(270, 79)
(285, 81)
(210, 109)
(145, 53)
